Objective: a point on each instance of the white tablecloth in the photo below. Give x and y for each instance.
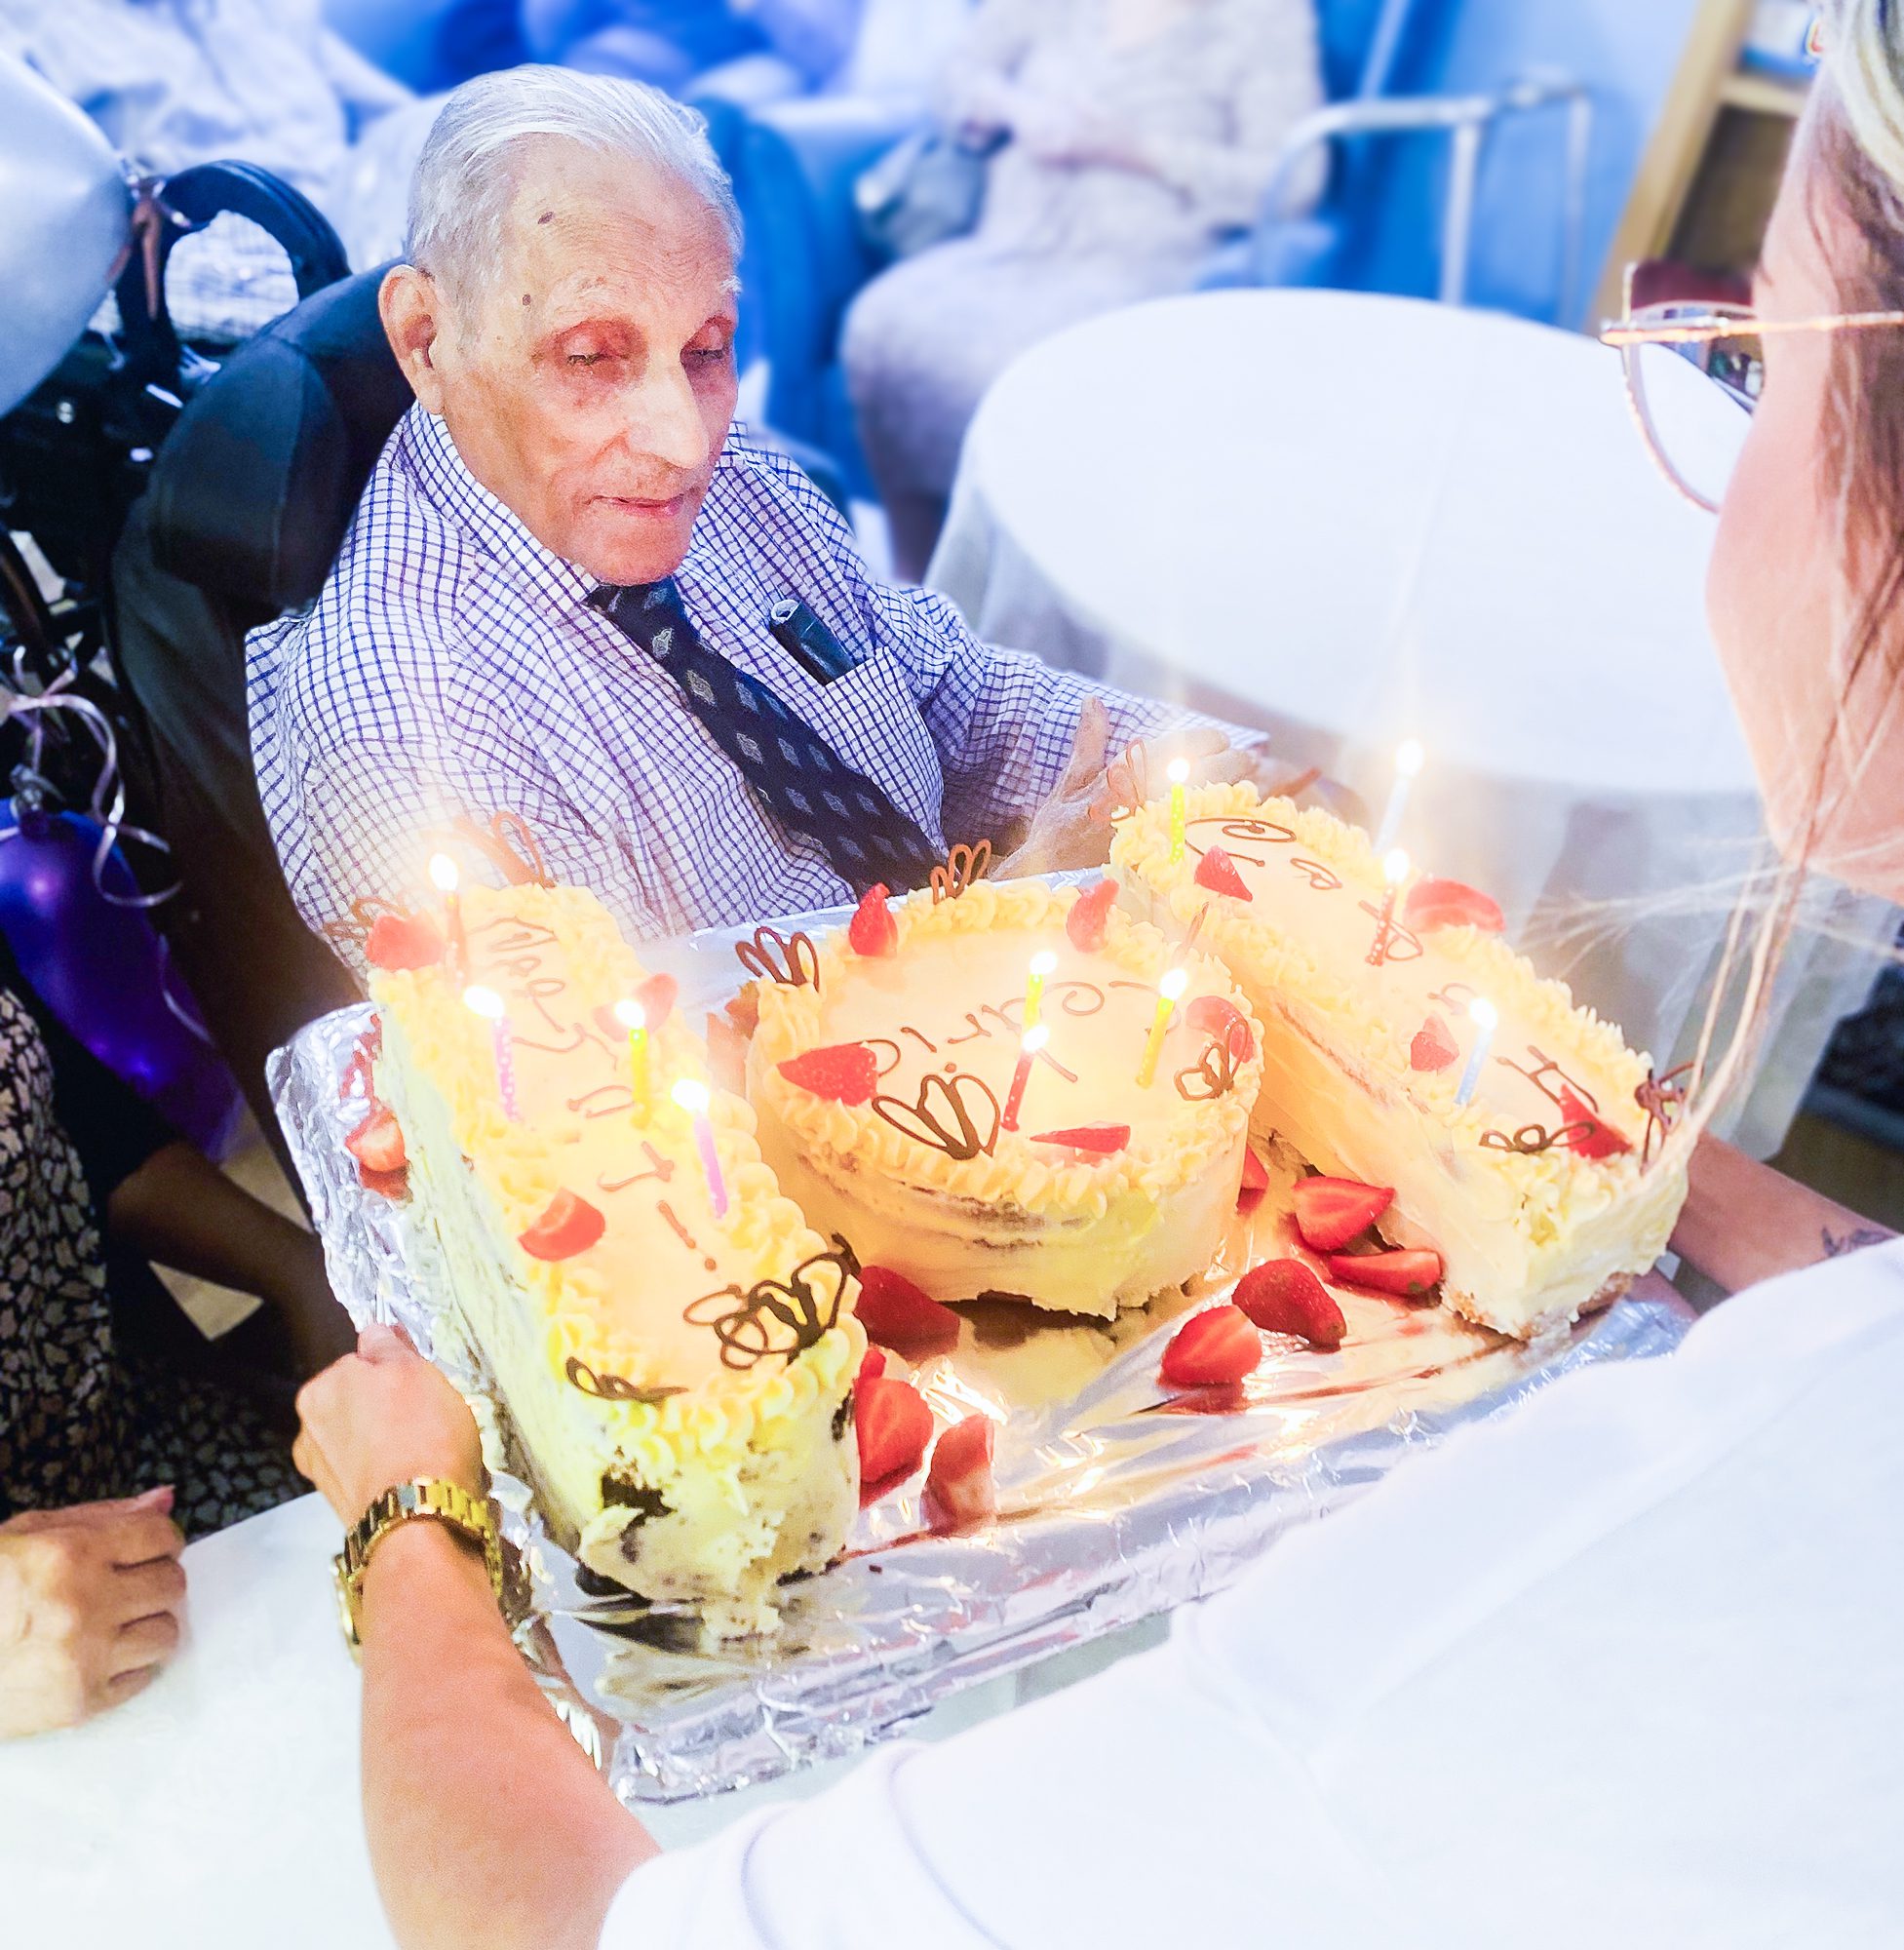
(219, 1811)
(1350, 521)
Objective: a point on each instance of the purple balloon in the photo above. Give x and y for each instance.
(99, 969)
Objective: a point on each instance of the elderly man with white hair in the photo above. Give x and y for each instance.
(575, 592)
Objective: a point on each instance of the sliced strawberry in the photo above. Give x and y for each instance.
(1255, 1181)
(1216, 871)
(959, 1487)
(404, 941)
(378, 1142)
(1090, 915)
(1451, 904)
(900, 1314)
(844, 1073)
(893, 1426)
(1219, 1017)
(873, 1364)
(1213, 1348)
(1330, 1212)
(389, 1184)
(1409, 1275)
(1099, 1139)
(656, 997)
(1284, 1297)
(743, 1013)
(568, 1225)
(1592, 1137)
(1434, 1046)
(872, 931)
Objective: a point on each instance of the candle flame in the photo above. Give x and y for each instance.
(1173, 984)
(1178, 771)
(1034, 1039)
(1044, 962)
(486, 1003)
(1483, 1014)
(691, 1097)
(1394, 869)
(631, 1015)
(1410, 759)
(443, 871)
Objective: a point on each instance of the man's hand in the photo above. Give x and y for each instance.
(89, 1599)
(379, 1417)
(1071, 830)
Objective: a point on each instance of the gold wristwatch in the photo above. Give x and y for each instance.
(431, 1496)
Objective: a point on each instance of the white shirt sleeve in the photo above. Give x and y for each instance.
(1622, 1667)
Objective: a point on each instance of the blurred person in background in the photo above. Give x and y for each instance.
(745, 51)
(1134, 135)
(122, 1431)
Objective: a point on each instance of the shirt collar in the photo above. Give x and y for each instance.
(494, 526)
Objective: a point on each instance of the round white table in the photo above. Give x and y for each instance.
(219, 1811)
(1349, 520)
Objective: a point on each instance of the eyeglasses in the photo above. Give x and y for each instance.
(1694, 373)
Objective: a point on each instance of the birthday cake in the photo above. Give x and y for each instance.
(1530, 1178)
(1069, 1134)
(673, 1346)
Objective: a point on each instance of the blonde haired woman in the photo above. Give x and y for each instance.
(1625, 1667)
(1135, 134)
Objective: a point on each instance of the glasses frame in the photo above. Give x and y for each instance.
(1708, 324)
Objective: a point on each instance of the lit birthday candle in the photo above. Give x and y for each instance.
(1408, 759)
(634, 1018)
(1394, 871)
(1170, 992)
(1179, 775)
(694, 1099)
(1043, 966)
(443, 871)
(1035, 1039)
(1486, 1020)
(495, 1011)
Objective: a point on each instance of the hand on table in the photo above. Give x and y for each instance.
(1073, 828)
(89, 1599)
(379, 1417)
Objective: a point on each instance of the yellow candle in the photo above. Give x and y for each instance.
(1043, 966)
(1179, 777)
(1170, 992)
(634, 1018)
(443, 871)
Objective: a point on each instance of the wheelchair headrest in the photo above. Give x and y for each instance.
(256, 485)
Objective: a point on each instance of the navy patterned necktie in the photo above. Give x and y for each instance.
(790, 769)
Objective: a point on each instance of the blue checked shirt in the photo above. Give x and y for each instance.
(451, 666)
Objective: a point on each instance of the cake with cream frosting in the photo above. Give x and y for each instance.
(883, 1066)
(1544, 1193)
(677, 1377)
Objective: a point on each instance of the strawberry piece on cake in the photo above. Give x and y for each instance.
(1434, 1046)
(1255, 1181)
(959, 1490)
(567, 1225)
(377, 1146)
(1408, 1276)
(902, 1316)
(1100, 1139)
(1436, 903)
(872, 931)
(893, 1426)
(1212, 1349)
(1218, 1017)
(1284, 1297)
(402, 942)
(1587, 1135)
(1330, 1212)
(844, 1073)
(1216, 871)
(1085, 924)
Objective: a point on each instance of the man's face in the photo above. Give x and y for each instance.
(587, 377)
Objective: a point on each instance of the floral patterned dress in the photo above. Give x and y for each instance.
(84, 1414)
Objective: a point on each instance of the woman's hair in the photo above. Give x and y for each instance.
(467, 170)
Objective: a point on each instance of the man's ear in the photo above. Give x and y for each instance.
(410, 304)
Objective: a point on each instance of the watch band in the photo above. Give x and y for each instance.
(433, 1497)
